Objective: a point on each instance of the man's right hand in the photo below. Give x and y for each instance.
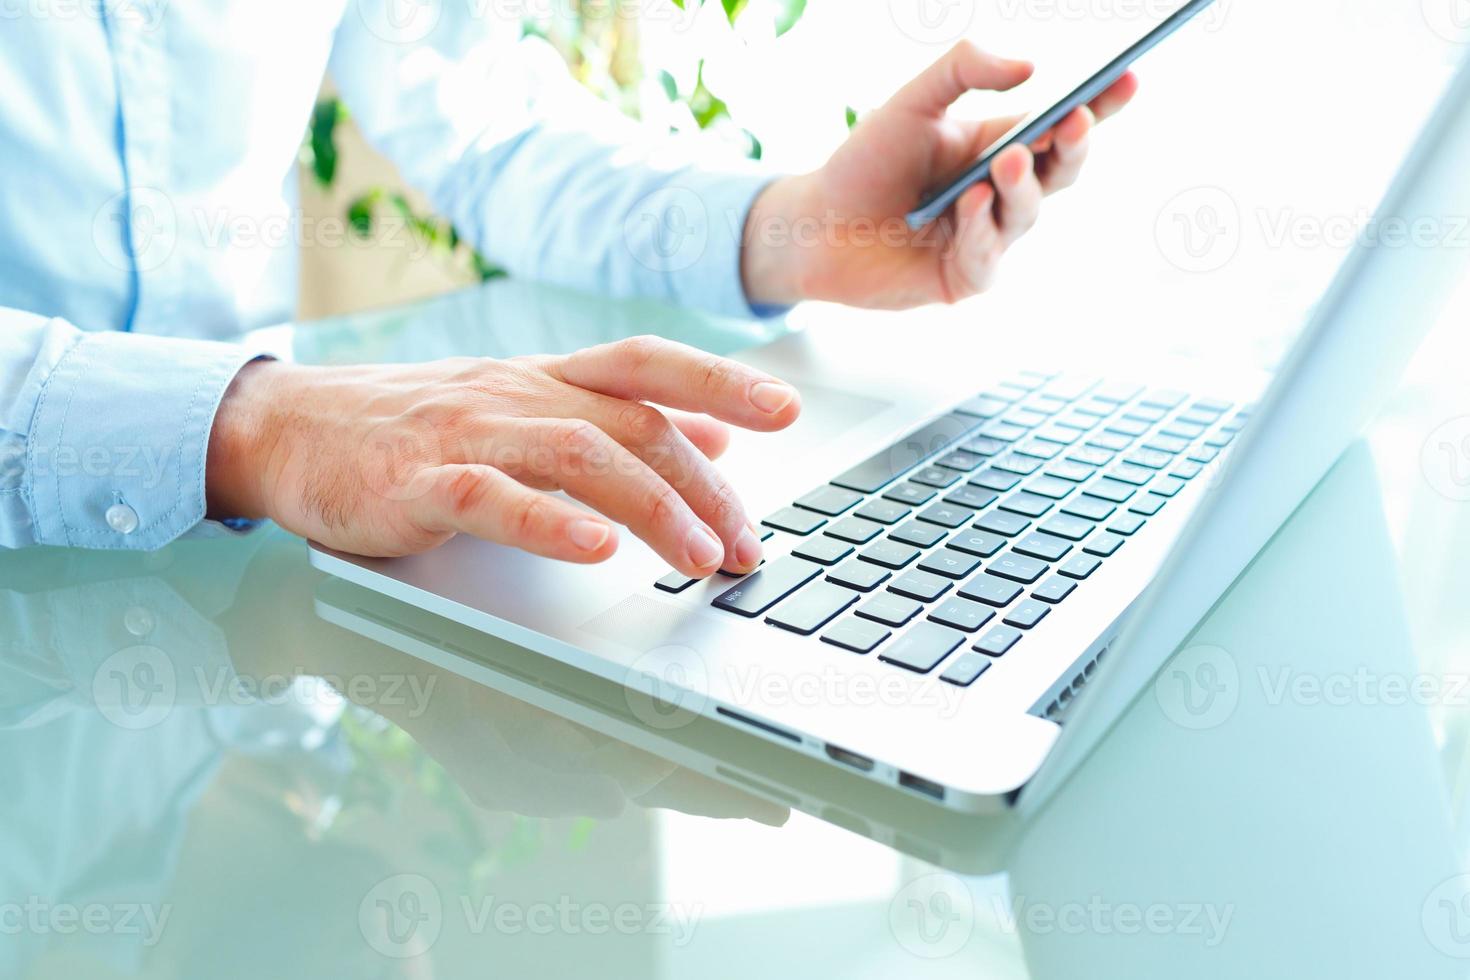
(392, 460)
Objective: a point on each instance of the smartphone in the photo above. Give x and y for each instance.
(1034, 126)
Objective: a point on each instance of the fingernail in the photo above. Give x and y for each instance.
(770, 396)
(588, 535)
(748, 549)
(704, 548)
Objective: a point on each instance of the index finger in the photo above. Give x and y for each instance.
(678, 376)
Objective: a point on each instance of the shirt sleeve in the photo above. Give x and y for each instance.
(541, 176)
(92, 423)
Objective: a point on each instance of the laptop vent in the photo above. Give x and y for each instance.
(1057, 703)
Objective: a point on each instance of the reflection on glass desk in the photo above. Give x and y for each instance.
(218, 763)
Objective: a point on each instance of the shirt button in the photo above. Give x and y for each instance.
(122, 518)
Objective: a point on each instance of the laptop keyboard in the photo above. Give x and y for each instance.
(947, 547)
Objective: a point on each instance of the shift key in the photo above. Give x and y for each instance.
(756, 593)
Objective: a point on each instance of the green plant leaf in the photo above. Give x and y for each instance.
(360, 212)
(670, 86)
(787, 14)
(322, 145)
(852, 119)
(704, 104)
(733, 9)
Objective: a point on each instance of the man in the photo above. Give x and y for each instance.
(134, 132)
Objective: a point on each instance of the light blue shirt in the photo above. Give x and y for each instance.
(148, 208)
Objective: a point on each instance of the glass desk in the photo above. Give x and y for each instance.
(216, 762)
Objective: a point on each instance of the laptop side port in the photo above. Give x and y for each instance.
(921, 785)
(849, 758)
(756, 723)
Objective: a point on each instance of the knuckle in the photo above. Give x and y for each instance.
(634, 352)
(528, 516)
(664, 506)
(642, 423)
(466, 492)
(725, 508)
(575, 439)
(717, 373)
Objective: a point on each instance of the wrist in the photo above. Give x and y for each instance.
(778, 246)
(239, 444)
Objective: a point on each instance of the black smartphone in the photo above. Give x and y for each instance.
(1037, 124)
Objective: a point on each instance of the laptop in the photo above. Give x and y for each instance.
(959, 597)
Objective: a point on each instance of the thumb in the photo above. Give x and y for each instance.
(965, 67)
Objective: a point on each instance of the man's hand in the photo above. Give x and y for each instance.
(393, 460)
(838, 234)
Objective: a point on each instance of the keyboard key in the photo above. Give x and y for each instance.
(981, 543)
(1079, 566)
(675, 582)
(1145, 413)
(960, 460)
(738, 574)
(1167, 486)
(855, 530)
(1070, 387)
(1027, 614)
(950, 563)
(1069, 470)
(1104, 544)
(912, 494)
(830, 500)
(918, 534)
(1095, 408)
(998, 641)
(1050, 486)
(984, 446)
(1004, 431)
(1025, 503)
(1047, 404)
(1026, 418)
(1041, 448)
(1163, 398)
(1091, 455)
(1071, 528)
(923, 647)
(993, 479)
(1204, 454)
(1128, 473)
(1196, 417)
(1187, 471)
(882, 511)
(1217, 405)
(975, 498)
(936, 476)
(758, 592)
(1117, 392)
(920, 585)
(1126, 524)
(890, 554)
(964, 671)
(1079, 421)
(962, 614)
(1043, 546)
(859, 575)
(1089, 508)
(947, 515)
(1186, 431)
(983, 407)
(1132, 428)
(823, 550)
(857, 635)
(1059, 434)
(1054, 589)
(1148, 505)
(1167, 444)
(1152, 458)
(1110, 490)
(1019, 464)
(990, 590)
(812, 608)
(1017, 568)
(1002, 522)
(1113, 442)
(881, 469)
(795, 520)
(889, 609)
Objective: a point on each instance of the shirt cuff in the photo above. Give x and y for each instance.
(119, 439)
(701, 235)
